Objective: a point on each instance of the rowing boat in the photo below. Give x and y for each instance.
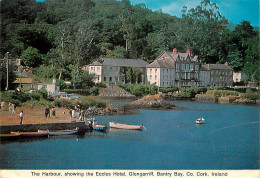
(31, 134)
(9, 136)
(59, 132)
(125, 126)
(102, 128)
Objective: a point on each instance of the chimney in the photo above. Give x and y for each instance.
(174, 51)
(188, 51)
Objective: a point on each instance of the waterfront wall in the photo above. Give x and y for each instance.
(206, 98)
(50, 126)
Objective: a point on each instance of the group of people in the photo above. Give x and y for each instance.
(50, 112)
(11, 108)
(81, 113)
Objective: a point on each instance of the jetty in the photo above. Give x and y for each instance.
(83, 127)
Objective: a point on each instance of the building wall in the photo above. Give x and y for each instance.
(167, 77)
(221, 77)
(97, 70)
(204, 78)
(153, 75)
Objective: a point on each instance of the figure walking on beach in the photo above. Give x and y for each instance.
(53, 112)
(70, 112)
(2, 105)
(21, 117)
(47, 111)
(10, 107)
(13, 108)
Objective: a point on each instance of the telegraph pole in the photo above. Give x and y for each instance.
(7, 71)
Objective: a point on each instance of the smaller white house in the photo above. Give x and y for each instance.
(51, 88)
(239, 77)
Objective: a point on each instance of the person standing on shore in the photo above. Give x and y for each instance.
(47, 111)
(21, 117)
(2, 105)
(10, 107)
(70, 112)
(53, 112)
(13, 108)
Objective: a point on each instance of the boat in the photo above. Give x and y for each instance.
(102, 128)
(31, 134)
(125, 126)
(9, 136)
(59, 132)
(200, 120)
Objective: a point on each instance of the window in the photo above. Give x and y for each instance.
(155, 77)
(110, 79)
(150, 77)
(150, 70)
(111, 68)
(105, 79)
(155, 70)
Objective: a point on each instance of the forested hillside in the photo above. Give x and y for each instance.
(57, 37)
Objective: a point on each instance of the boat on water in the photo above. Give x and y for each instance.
(102, 128)
(9, 136)
(31, 134)
(60, 132)
(126, 126)
(200, 120)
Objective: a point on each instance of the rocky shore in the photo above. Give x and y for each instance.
(115, 92)
(152, 102)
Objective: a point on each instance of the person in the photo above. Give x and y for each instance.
(53, 112)
(47, 111)
(13, 108)
(2, 105)
(10, 107)
(70, 112)
(73, 113)
(21, 117)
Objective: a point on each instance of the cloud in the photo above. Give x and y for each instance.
(176, 7)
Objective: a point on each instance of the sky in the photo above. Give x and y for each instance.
(234, 10)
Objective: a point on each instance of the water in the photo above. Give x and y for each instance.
(228, 140)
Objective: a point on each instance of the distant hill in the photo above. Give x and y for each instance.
(232, 27)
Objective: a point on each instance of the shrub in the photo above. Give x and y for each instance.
(250, 95)
(35, 96)
(94, 90)
(43, 92)
(83, 92)
(141, 89)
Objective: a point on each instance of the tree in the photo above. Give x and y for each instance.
(202, 30)
(31, 57)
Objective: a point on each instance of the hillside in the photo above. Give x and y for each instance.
(56, 37)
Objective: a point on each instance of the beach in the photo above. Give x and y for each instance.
(33, 116)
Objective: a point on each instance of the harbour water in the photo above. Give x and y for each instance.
(172, 140)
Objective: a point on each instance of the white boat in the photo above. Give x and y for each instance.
(200, 120)
(60, 132)
(125, 126)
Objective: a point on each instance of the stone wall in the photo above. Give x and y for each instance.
(206, 98)
(50, 126)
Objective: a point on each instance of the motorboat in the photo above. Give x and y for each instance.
(200, 120)
(126, 126)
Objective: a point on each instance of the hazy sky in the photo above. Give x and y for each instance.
(234, 10)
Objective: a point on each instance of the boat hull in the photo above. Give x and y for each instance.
(9, 136)
(31, 134)
(59, 132)
(101, 128)
(125, 126)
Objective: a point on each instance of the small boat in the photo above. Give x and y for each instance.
(9, 136)
(200, 120)
(31, 134)
(59, 132)
(102, 128)
(125, 126)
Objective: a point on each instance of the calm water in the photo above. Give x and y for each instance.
(228, 140)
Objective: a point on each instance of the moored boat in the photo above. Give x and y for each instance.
(200, 120)
(102, 128)
(31, 134)
(60, 132)
(9, 136)
(125, 126)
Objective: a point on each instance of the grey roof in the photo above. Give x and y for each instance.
(120, 62)
(182, 56)
(161, 63)
(217, 67)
